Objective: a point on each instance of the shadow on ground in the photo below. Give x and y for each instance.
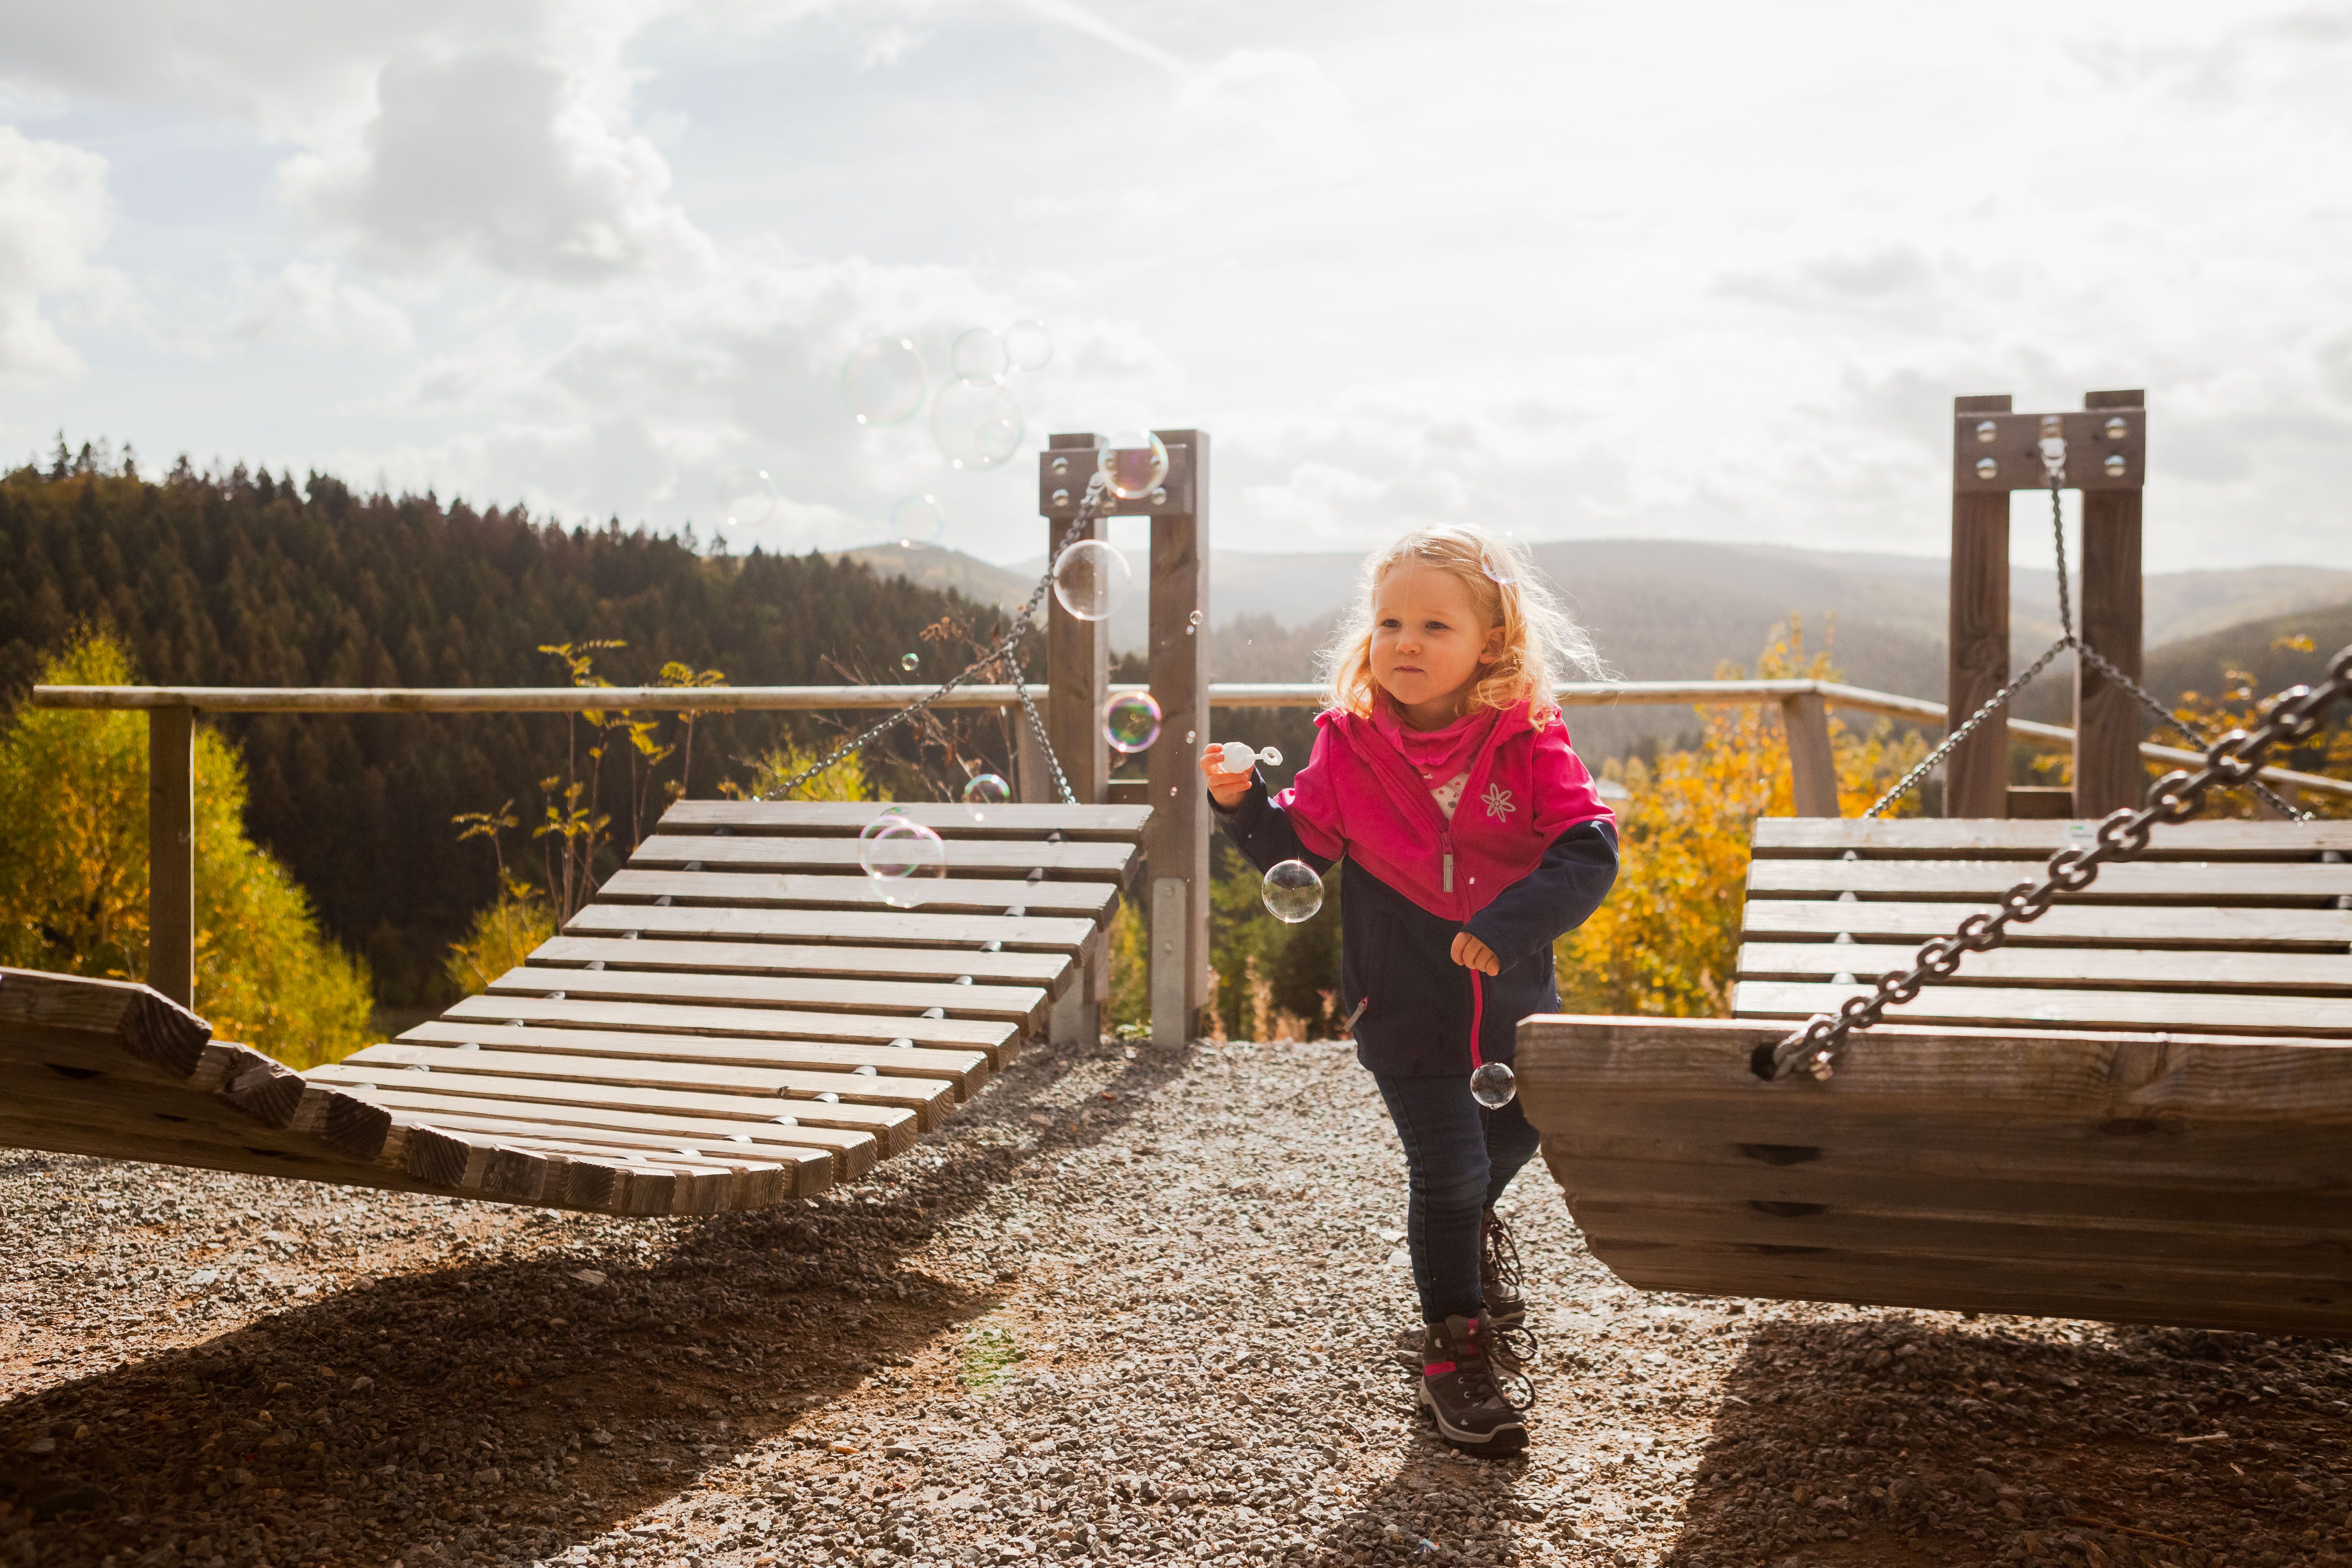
(530, 1402)
(1899, 1439)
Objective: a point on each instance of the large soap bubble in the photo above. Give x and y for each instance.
(883, 381)
(917, 521)
(902, 857)
(1131, 722)
(1091, 579)
(1291, 891)
(1134, 464)
(747, 497)
(1029, 345)
(979, 356)
(1494, 1085)
(977, 424)
(986, 789)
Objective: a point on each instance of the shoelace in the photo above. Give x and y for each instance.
(1499, 1255)
(1481, 1381)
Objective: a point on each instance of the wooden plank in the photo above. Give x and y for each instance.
(2108, 720)
(809, 1152)
(2313, 885)
(39, 1010)
(2297, 974)
(742, 1023)
(1124, 822)
(2050, 1007)
(2206, 1179)
(1976, 777)
(1178, 848)
(1812, 767)
(1018, 1005)
(2086, 925)
(1935, 839)
(1045, 970)
(761, 1175)
(937, 895)
(1077, 652)
(791, 1088)
(963, 1070)
(171, 853)
(1077, 860)
(856, 1134)
(896, 928)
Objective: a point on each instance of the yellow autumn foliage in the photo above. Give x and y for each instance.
(73, 875)
(1666, 941)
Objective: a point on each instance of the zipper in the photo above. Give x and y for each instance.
(1445, 846)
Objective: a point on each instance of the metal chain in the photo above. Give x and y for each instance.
(2054, 463)
(1002, 651)
(2296, 715)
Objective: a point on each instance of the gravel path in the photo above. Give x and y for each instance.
(1132, 1306)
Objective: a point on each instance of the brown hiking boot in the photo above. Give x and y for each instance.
(1459, 1389)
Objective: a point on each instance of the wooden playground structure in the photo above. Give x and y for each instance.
(739, 1019)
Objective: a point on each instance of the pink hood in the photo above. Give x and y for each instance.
(1359, 798)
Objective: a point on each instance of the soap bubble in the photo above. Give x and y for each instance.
(1091, 579)
(901, 857)
(1131, 722)
(977, 424)
(747, 497)
(979, 356)
(1292, 891)
(1028, 345)
(986, 789)
(883, 381)
(890, 814)
(917, 521)
(908, 661)
(1494, 1085)
(1134, 464)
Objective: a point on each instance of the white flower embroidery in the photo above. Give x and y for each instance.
(1498, 802)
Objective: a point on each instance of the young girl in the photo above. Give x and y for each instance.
(1474, 838)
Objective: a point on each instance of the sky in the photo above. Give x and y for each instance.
(1573, 270)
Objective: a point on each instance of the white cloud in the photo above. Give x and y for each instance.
(306, 304)
(54, 216)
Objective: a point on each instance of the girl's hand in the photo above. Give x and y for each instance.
(1228, 788)
(1472, 953)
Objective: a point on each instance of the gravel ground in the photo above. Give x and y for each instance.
(1132, 1306)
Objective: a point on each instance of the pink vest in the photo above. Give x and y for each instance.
(1359, 798)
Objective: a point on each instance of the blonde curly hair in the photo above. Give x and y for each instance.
(1542, 644)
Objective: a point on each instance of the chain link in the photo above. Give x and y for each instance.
(2294, 715)
(1003, 652)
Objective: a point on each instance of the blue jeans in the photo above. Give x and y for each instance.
(1459, 1156)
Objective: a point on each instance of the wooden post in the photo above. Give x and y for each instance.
(1812, 767)
(1078, 679)
(1976, 775)
(1177, 844)
(171, 853)
(2108, 720)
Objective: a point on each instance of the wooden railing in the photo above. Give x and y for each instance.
(171, 712)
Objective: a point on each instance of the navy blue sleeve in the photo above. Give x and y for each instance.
(1262, 831)
(1557, 897)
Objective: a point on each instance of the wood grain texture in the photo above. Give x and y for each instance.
(1123, 823)
(107, 1016)
(979, 1035)
(2278, 973)
(1020, 1005)
(1044, 970)
(1976, 775)
(2131, 1177)
(1812, 768)
(2312, 886)
(1081, 860)
(879, 927)
(936, 895)
(2230, 1013)
(789, 1087)
(2109, 722)
(2072, 925)
(963, 1070)
(1936, 838)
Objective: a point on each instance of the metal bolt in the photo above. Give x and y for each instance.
(2050, 429)
(2115, 465)
(1160, 497)
(1061, 466)
(1061, 498)
(2116, 428)
(1987, 468)
(1987, 430)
